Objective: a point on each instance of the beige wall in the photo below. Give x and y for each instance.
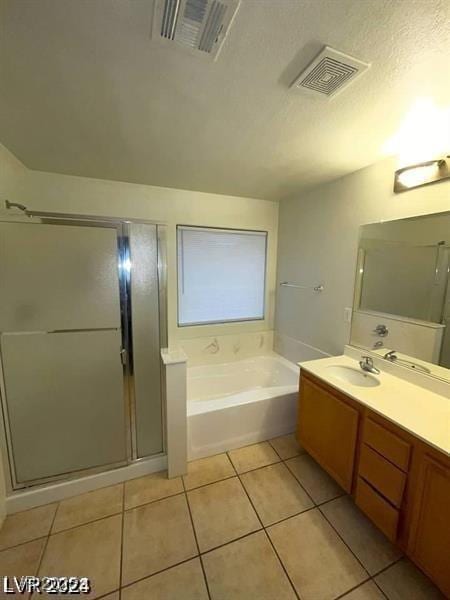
(318, 239)
(62, 193)
(12, 173)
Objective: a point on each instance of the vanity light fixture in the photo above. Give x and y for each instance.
(423, 173)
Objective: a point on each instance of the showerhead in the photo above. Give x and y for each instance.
(9, 205)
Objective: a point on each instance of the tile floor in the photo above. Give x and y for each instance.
(262, 522)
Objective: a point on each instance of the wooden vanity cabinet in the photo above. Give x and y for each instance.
(328, 424)
(401, 483)
(429, 519)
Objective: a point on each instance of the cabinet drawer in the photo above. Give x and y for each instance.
(379, 511)
(382, 475)
(388, 444)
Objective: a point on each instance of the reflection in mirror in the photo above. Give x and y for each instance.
(402, 298)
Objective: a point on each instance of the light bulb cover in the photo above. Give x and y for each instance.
(431, 171)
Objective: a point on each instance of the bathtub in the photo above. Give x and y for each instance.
(237, 403)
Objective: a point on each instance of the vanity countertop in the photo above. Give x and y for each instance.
(416, 409)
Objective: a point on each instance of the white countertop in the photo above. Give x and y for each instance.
(416, 409)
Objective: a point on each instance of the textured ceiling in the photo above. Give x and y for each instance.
(85, 91)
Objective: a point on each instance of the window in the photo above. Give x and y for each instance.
(221, 275)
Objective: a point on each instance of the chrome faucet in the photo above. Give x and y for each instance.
(392, 357)
(381, 330)
(366, 364)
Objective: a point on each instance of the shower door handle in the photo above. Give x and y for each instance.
(123, 356)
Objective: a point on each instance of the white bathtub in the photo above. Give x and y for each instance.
(237, 403)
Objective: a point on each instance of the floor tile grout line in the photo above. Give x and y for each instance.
(44, 549)
(241, 537)
(123, 525)
(348, 546)
(297, 594)
(303, 488)
(39, 537)
(25, 510)
(119, 512)
(297, 514)
(271, 464)
(376, 584)
(200, 554)
(123, 483)
(356, 587)
(197, 487)
(121, 542)
(371, 577)
(82, 524)
(35, 539)
(343, 540)
(150, 575)
(276, 451)
(227, 544)
(232, 463)
(53, 533)
(315, 505)
(153, 501)
(108, 593)
(344, 493)
(388, 566)
(262, 529)
(196, 539)
(270, 541)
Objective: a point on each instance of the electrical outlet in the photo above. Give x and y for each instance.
(348, 314)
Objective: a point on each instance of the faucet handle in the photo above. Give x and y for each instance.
(366, 364)
(381, 330)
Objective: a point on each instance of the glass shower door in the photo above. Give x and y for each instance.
(61, 343)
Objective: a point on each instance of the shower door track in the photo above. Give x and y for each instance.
(124, 279)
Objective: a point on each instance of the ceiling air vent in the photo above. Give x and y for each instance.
(329, 73)
(197, 25)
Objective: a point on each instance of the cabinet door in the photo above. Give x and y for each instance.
(429, 544)
(328, 429)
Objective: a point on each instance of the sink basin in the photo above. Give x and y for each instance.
(352, 376)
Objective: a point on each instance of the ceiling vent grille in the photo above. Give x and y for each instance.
(329, 73)
(196, 25)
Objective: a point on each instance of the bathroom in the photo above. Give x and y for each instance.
(224, 299)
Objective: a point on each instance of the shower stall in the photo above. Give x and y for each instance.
(82, 322)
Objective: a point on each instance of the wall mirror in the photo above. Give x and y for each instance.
(401, 307)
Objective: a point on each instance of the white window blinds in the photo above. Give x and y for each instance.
(221, 275)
